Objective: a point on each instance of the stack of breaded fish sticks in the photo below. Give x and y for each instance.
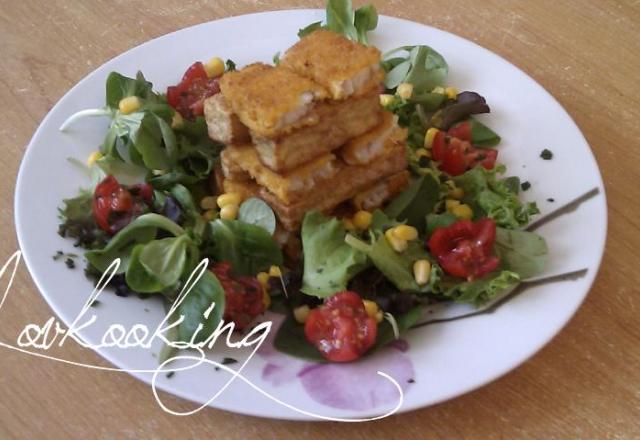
(309, 133)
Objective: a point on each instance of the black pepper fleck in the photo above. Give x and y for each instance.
(170, 374)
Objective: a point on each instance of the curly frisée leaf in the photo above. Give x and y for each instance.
(495, 198)
(329, 262)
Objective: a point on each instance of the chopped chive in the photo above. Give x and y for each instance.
(95, 303)
(228, 361)
(411, 381)
(550, 200)
(70, 263)
(525, 186)
(546, 154)
(170, 374)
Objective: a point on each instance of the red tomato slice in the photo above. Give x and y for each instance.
(188, 96)
(243, 296)
(114, 206)
(461, 131)
(341, 329)
(464, 249)
(457, 156)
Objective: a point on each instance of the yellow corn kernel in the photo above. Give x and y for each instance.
(405, 232)
(159, 172)
(177, 121)
(450, 204)
(229, 212)
(362, 219)
(301, 313)
(463, 212)
(129, 104)
(456, 193)
(429, 137)
(214, 67)
(386, 100)
(93, 158)
(451, 92)
(229, 199)
(210, 215)
(208, 202)
(420, 152)
(439, 90)
(379, 316)
(266, 299)
(274, 271)
(263, 279)
(422, 272)
(405, 90)
(397, 244)
(348, 224)
(371, 307)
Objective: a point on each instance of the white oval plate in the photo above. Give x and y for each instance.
(444, 360)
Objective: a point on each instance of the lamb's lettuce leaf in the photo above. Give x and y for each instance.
(249, 248)
(329, 263)
(397, 267)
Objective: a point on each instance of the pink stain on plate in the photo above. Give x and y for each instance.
(351, 386)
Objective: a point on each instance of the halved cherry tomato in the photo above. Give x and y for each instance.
(188, 96)
(341, 329)
(461, 130)
(243, 296)
(114, 206)
(457, 156)
(464, 249)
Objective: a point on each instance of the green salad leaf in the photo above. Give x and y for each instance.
(443, 220)
(421, 66)
(329, 263)
(290, 339)
(205, 292)
(77, 221)
(415, 202)
(480, 291)
(404, 323)
(522, 252)
(159, 264)
(255, 211)
(119, 86)
(495, 198)
(249, 248)
(397, 267)
(142, 230)
(341, 19)
(365, 20)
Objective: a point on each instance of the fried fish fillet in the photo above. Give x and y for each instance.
(346, 184)
(240, 162)
(363, 149)
(223, 125)
(374, 197)
(339, 121)
(271, 100)
(343, 67)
